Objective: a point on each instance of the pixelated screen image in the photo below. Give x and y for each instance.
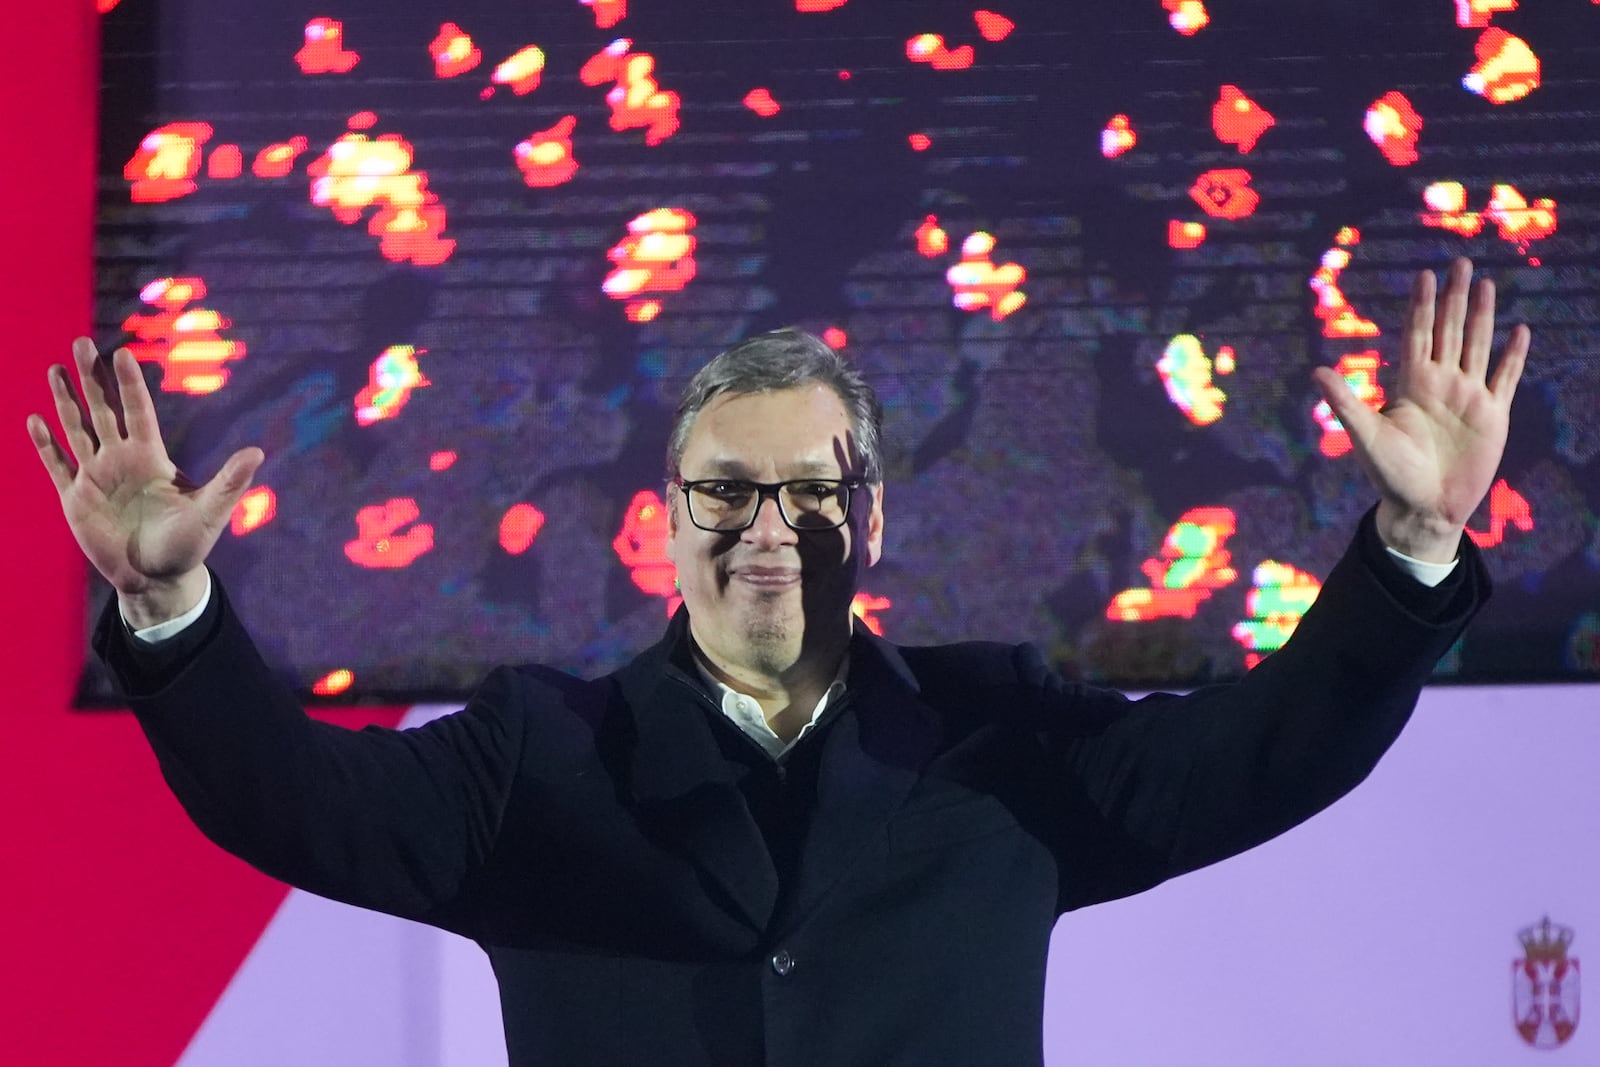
(450, 263)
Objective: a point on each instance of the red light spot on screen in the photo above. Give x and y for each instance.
(1182, 234)
(1187, 374)
(185, 342)
(979, 283)
(519, 526)
(835, 337)
(1475, 14)
(1507, 69)
(356, 173)
(1446, 209)
(920, 142)
(390, 380)
(323, 51)
(1238, 120)
(164, 165)
(641, 545)
(865, 607)
(1517, 220)
(607, 13)
(225, 162)
(1360, 372)
(254, 510)
(636, 101)
(522, 70)
(1225, 193)
(363, 120)
(1506, 507)
(1279, 596)
(333, 683)
(277, 160)
(453, 52)
(993, 26)
(931, 240)
(1339, 319)
(930, 48)
(1394, 125)
(844, 75)
(1192, 564)
(103, 6)
(545, 158)
(657, 256)
(1188, 17)
(381, 541)
(442, 461)
(814, 6)
(760, 101)
(1118, 137)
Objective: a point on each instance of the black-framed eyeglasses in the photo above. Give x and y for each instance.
(729, 505)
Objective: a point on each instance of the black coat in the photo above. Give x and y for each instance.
(651, 889)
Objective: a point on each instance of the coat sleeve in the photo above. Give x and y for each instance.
(395, 820)
(1148, 789)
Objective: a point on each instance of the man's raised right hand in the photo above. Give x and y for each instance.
(141, 523)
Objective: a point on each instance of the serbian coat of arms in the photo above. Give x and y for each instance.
(1544, 986)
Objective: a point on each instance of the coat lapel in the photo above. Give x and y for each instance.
(685, 794)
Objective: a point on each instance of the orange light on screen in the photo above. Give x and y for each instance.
(979, 283)
(931, 240)
(1394, 126)
(1507, 69)
(1118, 137)
(356, 173)
(1193, 563)
(920, 142)
(522, 70)
(993, 26)
(835, 337)
(254, 510)
(1188, 17)
(333, 683)
(390, 380)
(1339, 319)
(865, 607)
(277, 160)
(1475, 14)
(453, 52)
(1225, 193)
(1182, 234)
(519, 526)
(1360, 372)
(657, 256)
(166, 162)
(381, 543)
(545, 158)
(323, 51)
(636, 100)
(930, 48)
(1446, 209)
(1279, 597)
(1518, 221)
(607, 13)
(1238, 120)
(442, 461)
(641, 546)
(185, 342)
(760, 101)
(1506, 507)
(224, 162)
(817, 6)
(1187, 375)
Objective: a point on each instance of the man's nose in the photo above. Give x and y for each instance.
(769, 527)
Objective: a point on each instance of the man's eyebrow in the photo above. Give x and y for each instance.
(734, 468)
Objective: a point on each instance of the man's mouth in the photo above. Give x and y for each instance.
(766, 577)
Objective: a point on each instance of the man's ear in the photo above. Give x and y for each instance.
(872, 532)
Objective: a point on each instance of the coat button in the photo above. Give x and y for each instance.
(782, 963)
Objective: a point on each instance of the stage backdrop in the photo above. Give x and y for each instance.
(450, 263)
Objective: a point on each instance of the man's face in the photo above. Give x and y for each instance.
(759, 597)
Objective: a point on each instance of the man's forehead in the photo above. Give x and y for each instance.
(805, 429)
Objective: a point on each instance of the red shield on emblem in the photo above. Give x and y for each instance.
(1545, 986)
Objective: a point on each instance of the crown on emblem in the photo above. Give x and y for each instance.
(1545, 941)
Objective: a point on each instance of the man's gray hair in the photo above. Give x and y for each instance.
(783, 359)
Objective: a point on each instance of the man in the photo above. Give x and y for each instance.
(771, 838)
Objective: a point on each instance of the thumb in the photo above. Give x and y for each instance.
(1358, 420)
(218, 496)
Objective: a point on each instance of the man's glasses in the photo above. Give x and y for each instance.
(728, 505)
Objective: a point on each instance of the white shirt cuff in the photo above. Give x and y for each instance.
(161, 631)
(1429, 574)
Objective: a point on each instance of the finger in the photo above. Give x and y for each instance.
(51, 454)
(1417, 337)
(1512, 361)
(1358, 420)
(1478, 341)
(138, 410)
(101, 414)
(218, 496)
(1452, 314)
(70, 414)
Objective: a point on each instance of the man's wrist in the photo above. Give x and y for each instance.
(165, 602)
(1423, 538)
